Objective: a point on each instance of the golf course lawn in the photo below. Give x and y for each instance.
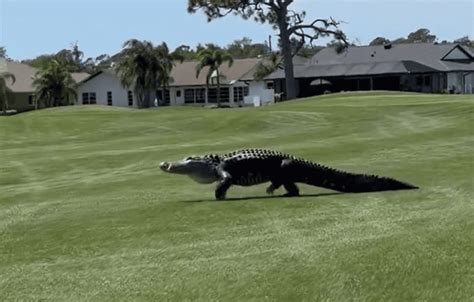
(86, 213)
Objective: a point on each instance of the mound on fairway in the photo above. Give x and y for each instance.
(86, 214)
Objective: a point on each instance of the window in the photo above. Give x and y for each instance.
(269, 85)
(92, 98)
(178, 93)
(130, 98)
(160, 96)
(109, 98)
(189, 95)
(30, 100)
(419, 80)
(195, 95)
(200, 95)
(225, 97)
(240, 93)
(212, 95)
(89, 98)
(85, 98)
(427, 80)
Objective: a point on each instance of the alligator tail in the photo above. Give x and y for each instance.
(321, 176)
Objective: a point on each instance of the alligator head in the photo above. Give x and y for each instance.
(200, 169)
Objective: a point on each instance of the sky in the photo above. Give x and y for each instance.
(29, 28)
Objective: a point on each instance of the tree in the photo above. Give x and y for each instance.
(279, 14)
(71, 58)
(421, 35)
(40, 61)
(464, 41)
(400, 41)
(267, 66)
(244, 48)
(77, 54)
(379, 41)
(166, 62)
(185, 52)
(213, 59)
(4, 77)
(139, 68)
(54, 85)
(3, 52)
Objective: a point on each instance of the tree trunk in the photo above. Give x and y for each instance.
(140, 96)
(146, 102)
(290, 81)
(163, 94)
(4, 100)
(218, 89)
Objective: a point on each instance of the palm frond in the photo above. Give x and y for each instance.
(8, 76)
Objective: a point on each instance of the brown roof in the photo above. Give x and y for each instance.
(79, 76)
(184, 74)
(24, 76)
(297, 61)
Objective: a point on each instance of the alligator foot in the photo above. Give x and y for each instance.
(272, 187)
(292, 190)
(291, 194)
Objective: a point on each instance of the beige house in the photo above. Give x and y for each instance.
(21, 96)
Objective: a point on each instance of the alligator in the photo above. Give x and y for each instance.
(249, 167)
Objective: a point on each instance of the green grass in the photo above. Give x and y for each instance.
(85, 213)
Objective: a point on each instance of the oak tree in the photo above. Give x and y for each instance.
(282, 17)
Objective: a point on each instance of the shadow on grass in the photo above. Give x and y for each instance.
(295, 197)
(265, 197)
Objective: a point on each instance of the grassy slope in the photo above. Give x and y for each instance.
(86, 214)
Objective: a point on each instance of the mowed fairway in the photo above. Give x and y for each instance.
(86, 214)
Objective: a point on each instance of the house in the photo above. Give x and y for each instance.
(21, 94)
(105, 88)
(420, 67)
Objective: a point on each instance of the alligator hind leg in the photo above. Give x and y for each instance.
(287, 169)
(292, 189)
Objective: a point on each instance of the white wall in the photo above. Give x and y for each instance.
(103, 83)
(259, 89)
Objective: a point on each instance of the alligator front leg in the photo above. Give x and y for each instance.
(224, 183)
(272, 187)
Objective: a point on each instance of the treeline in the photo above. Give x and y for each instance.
(75, 61)
(422, 35)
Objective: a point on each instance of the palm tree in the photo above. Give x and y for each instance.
(166, 61)
(213, 59)
(4, 76)
(139, 67)
(53, 84)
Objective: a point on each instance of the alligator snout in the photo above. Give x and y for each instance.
(165, 166)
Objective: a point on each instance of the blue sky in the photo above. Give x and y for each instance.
(33, 27)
